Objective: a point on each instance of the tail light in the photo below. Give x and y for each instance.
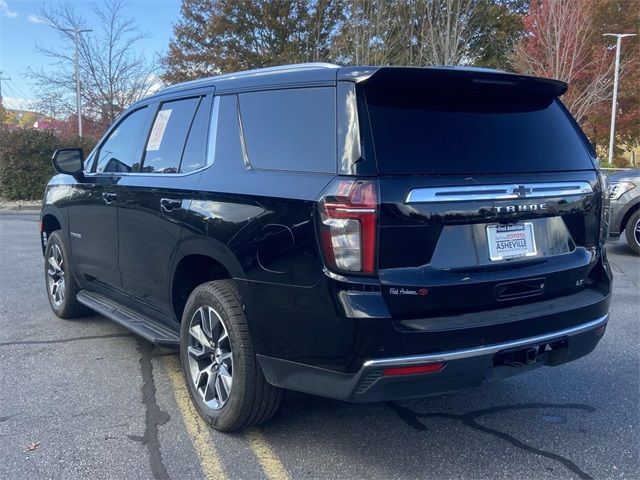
(348, 225)
(604, 208)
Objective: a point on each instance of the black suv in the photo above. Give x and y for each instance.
(360, 233)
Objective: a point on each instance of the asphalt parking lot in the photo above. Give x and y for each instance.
(86, 398)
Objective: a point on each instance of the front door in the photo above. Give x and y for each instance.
(93, 209)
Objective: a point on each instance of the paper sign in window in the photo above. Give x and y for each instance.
(157, 132)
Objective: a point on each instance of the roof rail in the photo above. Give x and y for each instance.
(279, 68)
(245, 73)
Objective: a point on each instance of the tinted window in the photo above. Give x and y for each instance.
(472, 130)
(195, 151)
(168, 136)
(119, 153)
(290, 129)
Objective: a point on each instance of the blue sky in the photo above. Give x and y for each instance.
(20, 32)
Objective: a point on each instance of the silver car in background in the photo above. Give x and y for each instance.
(625, 206)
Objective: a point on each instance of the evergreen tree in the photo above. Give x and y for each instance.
(217, 36)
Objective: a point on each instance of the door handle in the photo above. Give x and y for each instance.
(169, 204)
(109, 197)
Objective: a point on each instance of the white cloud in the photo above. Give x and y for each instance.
(16, 103)
(155, 83)
(5, 11)
(36, 19)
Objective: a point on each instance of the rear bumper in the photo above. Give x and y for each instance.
(462, 369)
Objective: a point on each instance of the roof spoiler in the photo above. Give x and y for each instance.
(462, 76)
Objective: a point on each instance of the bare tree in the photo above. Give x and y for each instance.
(559, 43)
(407, 32)
(444, 31)
(371, 33)
(112, 75)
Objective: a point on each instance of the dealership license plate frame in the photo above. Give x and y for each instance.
(497, 233)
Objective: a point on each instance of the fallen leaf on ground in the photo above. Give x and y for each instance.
(33, 446)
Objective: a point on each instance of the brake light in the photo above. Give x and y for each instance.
(348, 225)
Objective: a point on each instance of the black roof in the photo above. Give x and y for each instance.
(327, 73)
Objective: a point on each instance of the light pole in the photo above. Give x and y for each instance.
(619, 37)
(1, 79)
(1, 102)
(76, 37)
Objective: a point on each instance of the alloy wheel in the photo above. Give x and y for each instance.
(637, 231)
(55, 276)
(210, 357)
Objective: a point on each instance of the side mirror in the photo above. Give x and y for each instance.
(69, 161)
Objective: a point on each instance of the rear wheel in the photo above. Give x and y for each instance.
(219, 362)
(61, 286)
(632, 232)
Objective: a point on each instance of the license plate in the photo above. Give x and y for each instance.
(511, 241)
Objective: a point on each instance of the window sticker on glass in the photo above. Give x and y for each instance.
(159, 126)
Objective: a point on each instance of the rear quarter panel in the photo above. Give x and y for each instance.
(260, 225)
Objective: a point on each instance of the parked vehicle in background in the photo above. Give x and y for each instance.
(625, 206)
(360, 233)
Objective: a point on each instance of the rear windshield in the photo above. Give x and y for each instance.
(475, 130)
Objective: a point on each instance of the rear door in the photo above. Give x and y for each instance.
(153, 202)
(489, 196)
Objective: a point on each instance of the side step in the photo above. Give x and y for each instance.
(144, 326)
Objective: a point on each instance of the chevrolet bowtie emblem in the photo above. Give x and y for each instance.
(519, 190)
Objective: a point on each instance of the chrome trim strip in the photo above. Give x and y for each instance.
(486, 350)
(497, 192)
(356, 210)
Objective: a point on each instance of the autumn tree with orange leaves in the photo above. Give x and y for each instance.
(619, 16)
(563, 40)
(560, 43)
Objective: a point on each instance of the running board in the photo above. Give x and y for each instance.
(143, 325)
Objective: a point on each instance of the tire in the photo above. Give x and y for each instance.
(59, 280)
(219, 362)
(632, 232)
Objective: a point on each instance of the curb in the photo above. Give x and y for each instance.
(19, 208)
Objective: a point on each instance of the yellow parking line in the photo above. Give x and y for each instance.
(269, 461)
(197, 429)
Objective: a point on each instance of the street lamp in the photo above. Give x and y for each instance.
(76, 37)
(619, 37)
(1, 103)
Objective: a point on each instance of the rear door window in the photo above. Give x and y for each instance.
(194, 156)
(293, 129)
(470, 131)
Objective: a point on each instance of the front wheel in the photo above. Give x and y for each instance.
(632, 232)
(219, 363)
(61, 286)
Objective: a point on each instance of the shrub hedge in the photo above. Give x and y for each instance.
(25, 161)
